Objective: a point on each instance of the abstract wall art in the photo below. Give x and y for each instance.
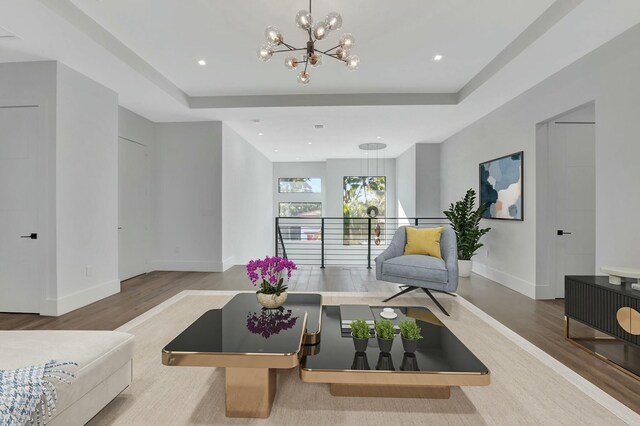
(501, 187)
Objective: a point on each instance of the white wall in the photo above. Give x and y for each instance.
(608, 76)
(406, 184)
(87, 190)
(247, 197)
(305, 169)
(138, 129)
(34, 83)
(135, 127)
(188, 194)
(428, 180)
(80, 207)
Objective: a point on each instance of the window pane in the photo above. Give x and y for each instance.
(300, 185)
(360, 192)
(296, 209)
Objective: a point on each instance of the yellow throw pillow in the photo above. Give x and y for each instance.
(425, 241)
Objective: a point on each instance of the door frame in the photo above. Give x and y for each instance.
(545, 217)
(149, 207)
(46, 218)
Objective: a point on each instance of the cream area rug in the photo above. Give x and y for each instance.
(528, 387)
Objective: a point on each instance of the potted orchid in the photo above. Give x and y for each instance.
(269, 273)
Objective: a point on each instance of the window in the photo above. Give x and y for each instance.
(308, 185)
(360, 192)
(301, 229)
(300, 209)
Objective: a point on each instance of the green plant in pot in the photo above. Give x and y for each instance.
(465, 221)
(360, 333)
(385, 335)
(410, 333)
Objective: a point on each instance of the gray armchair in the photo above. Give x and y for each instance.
(417, 271)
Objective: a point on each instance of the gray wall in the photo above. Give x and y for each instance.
(608, 76)
(34, 83)
(428, 180)
(87, 190)
(247, 176)
(406, 183)
(79, 228)
(188, 231)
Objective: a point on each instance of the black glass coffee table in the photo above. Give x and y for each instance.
(250, 343)
(441, 361)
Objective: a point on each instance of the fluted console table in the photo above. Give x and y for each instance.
(610, 309)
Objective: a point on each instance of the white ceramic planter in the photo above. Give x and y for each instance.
(271, 301)
(464, 268)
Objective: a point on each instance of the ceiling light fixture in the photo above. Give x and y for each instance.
(202, 62)
(332, 22)
(309, 143)
(437, 58)
(374, 163)
(260, 134)
(378, 137)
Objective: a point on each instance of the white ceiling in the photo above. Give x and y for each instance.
(396, 42)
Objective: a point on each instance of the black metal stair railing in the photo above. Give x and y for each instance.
(339, 241)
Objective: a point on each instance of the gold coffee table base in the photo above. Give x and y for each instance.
(391, 391)
(250, 391)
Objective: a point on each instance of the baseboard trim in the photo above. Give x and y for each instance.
(228, 263)
(187, 266)
(71, 302)
(507, 280)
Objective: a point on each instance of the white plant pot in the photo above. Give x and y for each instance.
(464, 268)
(271, 301)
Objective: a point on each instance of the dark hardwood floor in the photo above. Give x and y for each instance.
(540, 322)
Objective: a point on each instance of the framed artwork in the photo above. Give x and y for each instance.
(501, 187)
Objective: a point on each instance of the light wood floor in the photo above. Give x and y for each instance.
(540, 322)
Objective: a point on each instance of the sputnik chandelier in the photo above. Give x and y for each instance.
(313, 56)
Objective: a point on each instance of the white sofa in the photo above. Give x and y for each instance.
(105, 363)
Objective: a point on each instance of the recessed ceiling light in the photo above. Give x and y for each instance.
(378, 137)
(309, 143)
(437, 58)
(260, 134)
(275, 150)
(202, 62)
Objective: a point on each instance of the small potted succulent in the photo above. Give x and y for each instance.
(410, 333)
(360, 333)
(385, 335)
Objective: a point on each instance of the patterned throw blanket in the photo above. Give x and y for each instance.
(28, 395)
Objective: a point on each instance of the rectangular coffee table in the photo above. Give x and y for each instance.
(441, 361)
(250, 343)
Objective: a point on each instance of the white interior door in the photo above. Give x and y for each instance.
(22, 213)
(133, 208)
(572, 168)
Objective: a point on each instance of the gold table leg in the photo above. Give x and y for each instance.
(250, 392)
(390, 391)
